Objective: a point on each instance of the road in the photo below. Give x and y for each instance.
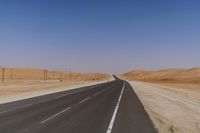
(110, 107)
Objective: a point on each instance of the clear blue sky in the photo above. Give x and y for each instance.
(100, 35)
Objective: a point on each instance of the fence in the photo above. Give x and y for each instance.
(25, 74)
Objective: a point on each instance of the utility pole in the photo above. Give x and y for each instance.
(60, 76)
(70, 76)
(53, 76)
(3, 70)
(11, 73)
(45, 75)
(76, 76)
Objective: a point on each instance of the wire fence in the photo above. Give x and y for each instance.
(24, 74)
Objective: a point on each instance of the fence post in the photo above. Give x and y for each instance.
(3, 70)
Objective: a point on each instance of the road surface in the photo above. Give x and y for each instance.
(110, 107)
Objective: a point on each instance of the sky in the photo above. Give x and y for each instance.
(113, 36)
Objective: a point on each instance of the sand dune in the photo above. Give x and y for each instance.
(176, 75)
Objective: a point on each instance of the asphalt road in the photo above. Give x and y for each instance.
(111, 107)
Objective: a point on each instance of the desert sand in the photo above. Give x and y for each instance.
(22, 83)
(173, 108)
(171, 97)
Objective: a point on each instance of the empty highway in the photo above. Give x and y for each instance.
(110, 107)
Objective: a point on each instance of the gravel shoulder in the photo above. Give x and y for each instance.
(173, 108)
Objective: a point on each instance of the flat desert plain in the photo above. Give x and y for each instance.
(22, 83)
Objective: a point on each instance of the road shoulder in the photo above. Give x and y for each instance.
(171, 109)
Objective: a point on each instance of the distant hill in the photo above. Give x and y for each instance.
(191, 75)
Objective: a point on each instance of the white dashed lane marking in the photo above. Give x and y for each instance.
(55, 115)
(84, 100)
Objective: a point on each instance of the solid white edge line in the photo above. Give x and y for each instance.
(109, 130)
(55, 115)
